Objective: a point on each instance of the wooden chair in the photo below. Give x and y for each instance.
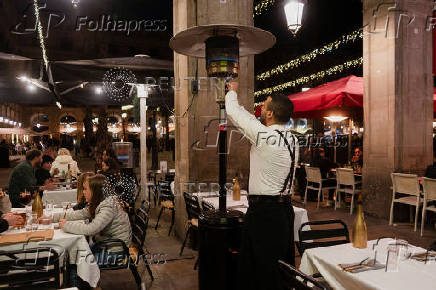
(346, 183)
(166, 198)
(406, 184)
(429, 188)
(293, 279)
(311, 238)
(193, 211)
(315, 182)
(34, 267)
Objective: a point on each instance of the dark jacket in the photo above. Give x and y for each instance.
(22, 178)
(325, 165)
(4, 226)
(42, 175)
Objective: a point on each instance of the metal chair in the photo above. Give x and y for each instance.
(206, 206)
(406, 184)
(293, 279)
(311, 238)
(166, 198)
(139, 233)
(34, 267)
(429, 188)
(193, 210)
(131, 255)
(315, 182)
(346, 183)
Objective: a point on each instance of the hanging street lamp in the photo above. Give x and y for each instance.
(294, 14)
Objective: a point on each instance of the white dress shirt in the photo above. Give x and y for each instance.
(270, 160)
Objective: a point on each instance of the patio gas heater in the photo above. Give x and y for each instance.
(221, 45)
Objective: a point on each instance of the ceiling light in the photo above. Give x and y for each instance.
(127, 107)
(38, 125)
(98, 90)
(124, 115)
(19, 124)
(59, 105)
(335, 119)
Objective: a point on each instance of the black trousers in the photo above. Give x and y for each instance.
(267, 236)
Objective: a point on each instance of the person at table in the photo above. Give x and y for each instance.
(8, 220)
(107, 220)
(357, 159)
(61, 162)
(42, 173)
(325, 166)
(267, 234)
(81, 200)
(122, 184)
(23, 179)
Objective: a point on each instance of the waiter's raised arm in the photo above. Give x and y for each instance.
(246, 122)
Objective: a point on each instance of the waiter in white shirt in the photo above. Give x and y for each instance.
(268, 234)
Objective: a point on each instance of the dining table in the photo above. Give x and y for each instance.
(77, 247)
(212, 198)
(410, 273)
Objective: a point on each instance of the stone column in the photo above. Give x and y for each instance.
(196, 128)
(398, 96)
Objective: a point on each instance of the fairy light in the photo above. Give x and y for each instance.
(40, 34)
(120, 185)
(263, 6)
(313, 77)
(116, 83)
(308, 57)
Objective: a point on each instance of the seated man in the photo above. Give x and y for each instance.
(325, 166)
(23, 178)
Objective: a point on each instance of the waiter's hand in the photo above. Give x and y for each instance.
(233, 86)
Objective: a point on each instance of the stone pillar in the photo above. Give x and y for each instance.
(398, 96)
(197, 128)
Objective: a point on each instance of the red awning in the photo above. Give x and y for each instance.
(343, 94)
(340, 97)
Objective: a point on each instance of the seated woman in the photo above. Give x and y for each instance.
(60, 164)
(81, 200)
(107, 219)
(122, 185)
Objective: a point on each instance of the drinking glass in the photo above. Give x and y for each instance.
(28, 211)
(29, 223)
(34, 222)
(392, 259)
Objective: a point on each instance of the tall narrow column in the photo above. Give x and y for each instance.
(197, 115)
(142, 95)
(398, 90)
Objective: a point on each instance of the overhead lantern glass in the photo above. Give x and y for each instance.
(294, 14)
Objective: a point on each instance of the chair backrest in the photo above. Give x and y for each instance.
(30, 267)
(429, 186)
(145, 205)
(206, 206)
(405, 183)
(345, 176)
(313, 174)
(293, 279)
(192, 205)
(314, 238)
(139, 228)
(165, 190)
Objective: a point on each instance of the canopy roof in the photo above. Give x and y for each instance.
(341, 95)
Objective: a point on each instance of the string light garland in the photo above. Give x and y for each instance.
(117, 83)
(313, 77)
(308, 57)
(121, 186)
(40, 33)
(263, 6)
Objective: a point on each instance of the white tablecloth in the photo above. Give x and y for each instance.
(242, 205)
(58, 196)
(412, 274)
(76, 245)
